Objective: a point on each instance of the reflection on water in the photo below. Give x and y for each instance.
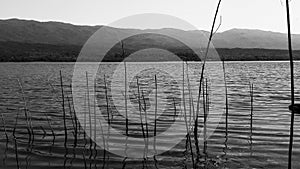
(33, 122)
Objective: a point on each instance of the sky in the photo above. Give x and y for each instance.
(266, 15)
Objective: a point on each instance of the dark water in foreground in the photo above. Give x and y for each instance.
(267, 147)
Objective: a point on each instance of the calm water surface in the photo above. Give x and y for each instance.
(41, 100)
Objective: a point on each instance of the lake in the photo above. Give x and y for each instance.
(43, 128)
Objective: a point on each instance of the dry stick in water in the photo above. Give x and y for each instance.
(28, 124)
(191, 100)
(51, 128)
(145, 110)
(226, 100)
(4, 127)
(207, 97)
(212, 32)
(63, 106)
(251, 106)
(7, 139)
(49, 121)
(108, 117)
(204, 119)
(103, 139)
(140, 109)
(175, 110)
(251, 111)
(95, 124)
(101, 128)
(155, 115)
(126, 115)
(107, 104)
(84, 119)
(292, 85)
(89, 111)
(84, 159)
(125, 85)
(74, 133)
(185, 118)
(75, 119)
(107, 109)
(146, 121)
(71, 116)
(15, 140)
(226, 112)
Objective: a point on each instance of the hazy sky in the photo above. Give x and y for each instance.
(253, 14)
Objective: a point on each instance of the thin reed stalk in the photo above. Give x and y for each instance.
(15, 141)
(292, 85)
(84, 159)
(146, 122)
(226, 100)
(102, 134)
(4, 127)
(125, 85)
(185, 118)
(175, 109)
(28, 124)
(74, 124)
(141, 117)
(108, 115)
(63, 108)
(95, 121)
(204, 119)
(155, 114)
(191, 100)
(107, 104)
(51, 128)
(74, 118)
(48, 119)
(145, 110)
(140, 109)
(71, 114)
(124, 163)
(89, 111)
(212, 32)
(251, 110)
(84, 119)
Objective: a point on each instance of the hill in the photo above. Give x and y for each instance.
(28, 40)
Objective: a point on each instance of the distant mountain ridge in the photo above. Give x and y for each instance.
(57, 33)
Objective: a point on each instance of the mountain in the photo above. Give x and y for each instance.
(57, 33)
(249, 38)
(29, 40)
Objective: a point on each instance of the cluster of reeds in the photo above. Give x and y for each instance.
(71, 125)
